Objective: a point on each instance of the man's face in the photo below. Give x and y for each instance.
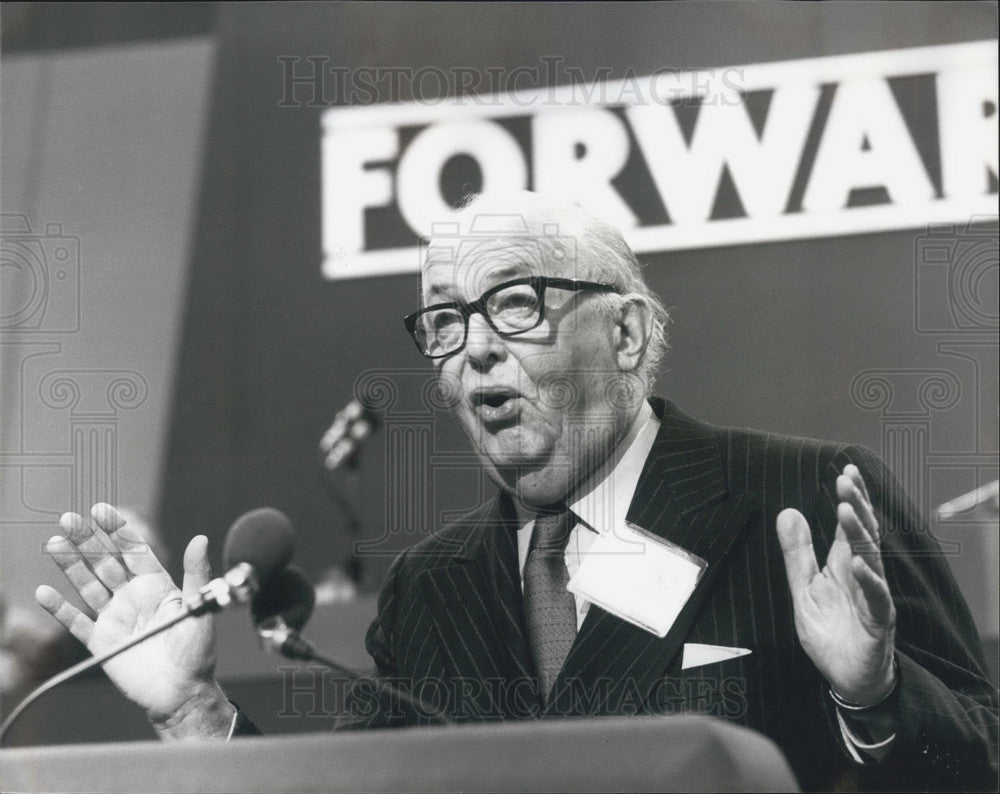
(538, 406)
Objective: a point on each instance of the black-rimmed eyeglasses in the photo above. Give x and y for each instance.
(511, 308)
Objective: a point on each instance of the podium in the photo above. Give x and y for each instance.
(677, 753)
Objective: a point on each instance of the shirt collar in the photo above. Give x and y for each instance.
(601, 502)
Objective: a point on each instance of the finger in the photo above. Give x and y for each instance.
(795, 538)
(876, 592)
(98, 553)
(861, 543)
(78, 624)
(100, 533)
(136, 555)
(838, 559)
(197, 571)
(67, 557)
(854, 473)
(108, 517)
(848, 491)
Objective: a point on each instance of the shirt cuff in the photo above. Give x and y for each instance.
(862, 752)
(232, 725)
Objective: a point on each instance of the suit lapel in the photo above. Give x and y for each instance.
(475, 603)
(681, 497)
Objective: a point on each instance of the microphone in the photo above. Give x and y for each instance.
(258, 545)
(281, 609)
(342, 441)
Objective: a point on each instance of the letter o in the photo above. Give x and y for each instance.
(495, 150)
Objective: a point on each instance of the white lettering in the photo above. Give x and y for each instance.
(350, 188)
(762, 170)
(500, 161)
(577, 154)
(580, 148)
(865, 110)
(967, 124)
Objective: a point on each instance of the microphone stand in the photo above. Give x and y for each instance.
(347, 504)
(341, 446)
(278, 637)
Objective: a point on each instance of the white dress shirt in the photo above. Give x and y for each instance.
(601, 502)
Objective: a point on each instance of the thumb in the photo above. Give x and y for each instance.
(795, 538)
(197, 571)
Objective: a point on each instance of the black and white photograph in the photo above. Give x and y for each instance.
(499, 396)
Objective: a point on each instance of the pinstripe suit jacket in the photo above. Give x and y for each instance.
(450, 620)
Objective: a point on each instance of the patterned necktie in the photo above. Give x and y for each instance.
(549, 609)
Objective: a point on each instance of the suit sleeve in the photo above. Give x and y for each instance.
(946, 707)
(379, 701)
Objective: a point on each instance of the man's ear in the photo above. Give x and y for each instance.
(633, 331)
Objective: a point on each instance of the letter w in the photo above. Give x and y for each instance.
(762, 170)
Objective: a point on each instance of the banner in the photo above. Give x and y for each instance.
(825, 146)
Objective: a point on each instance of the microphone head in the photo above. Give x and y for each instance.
(263, 538)
(289, 595)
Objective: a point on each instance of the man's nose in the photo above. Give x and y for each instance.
(483, 344)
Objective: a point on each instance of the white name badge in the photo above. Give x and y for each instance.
(639, 577)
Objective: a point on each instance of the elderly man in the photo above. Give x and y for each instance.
(692, 550)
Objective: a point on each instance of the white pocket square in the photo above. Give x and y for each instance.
(696, 654)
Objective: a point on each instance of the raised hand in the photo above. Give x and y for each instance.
(122, 582)
(844, 615)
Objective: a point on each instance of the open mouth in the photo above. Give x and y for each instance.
(495, 404)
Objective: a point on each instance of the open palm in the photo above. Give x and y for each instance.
(844, 615)
(120, 579)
